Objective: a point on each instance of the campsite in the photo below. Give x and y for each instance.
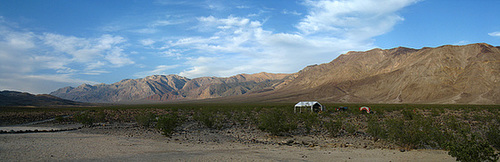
(405, 129)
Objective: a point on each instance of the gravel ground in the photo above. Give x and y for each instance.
(128, 142)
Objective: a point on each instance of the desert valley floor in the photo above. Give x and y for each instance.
(126, 143)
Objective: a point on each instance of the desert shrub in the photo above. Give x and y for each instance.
(145, 119)
(493, 136)
(350, 127)
(395, 128)
(403, 133)
(85, 118)
(253, 118)
(375, 129)
(167, 123)
(100, 116)
(416, 133)
(208, 118)
(310, 120)
(239, 117)
(408, 114)
(334, 127)
(59, 118)
(458, 126)
(277, 122)
(436, 112)
(471, 149)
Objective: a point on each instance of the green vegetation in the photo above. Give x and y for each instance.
(333, 127)
(145, 120)
(85, 118)
(167, 123)
(471, 148)
(468, 132)
(210, 118)
(277, 121)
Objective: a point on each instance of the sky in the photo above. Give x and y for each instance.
(50, 44)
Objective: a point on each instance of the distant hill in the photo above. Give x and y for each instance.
(171, 88)
(468, 74)
(13, 98)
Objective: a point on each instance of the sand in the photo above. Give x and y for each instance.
(90, 145)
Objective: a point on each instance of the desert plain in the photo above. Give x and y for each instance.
(228, 134)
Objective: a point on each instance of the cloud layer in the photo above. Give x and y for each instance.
(243, 45)
(29, 60)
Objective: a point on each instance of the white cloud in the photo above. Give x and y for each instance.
(286, 12)
(173, 53)
(32, 83)
(147, 42)
(14, 51)
(20, 40)
(145, 30)
(84, 50)
(117, 58)
(355, 19)
(29, 60)
(494, 34)
(155, 26)
(214, 5)
(159, 70)
(462, 42)
(95, 72)
(169, 22)
(241, 45)
(242, 7)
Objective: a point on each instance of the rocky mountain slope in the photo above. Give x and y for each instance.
(13, 98)
(467, 74)
(448, 74)
(171, 87)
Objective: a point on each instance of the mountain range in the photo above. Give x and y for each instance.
(468, 74)
(14, 98)
(172, 87)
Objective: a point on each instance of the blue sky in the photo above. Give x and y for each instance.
(46, 45)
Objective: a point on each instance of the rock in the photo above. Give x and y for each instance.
(305, 143)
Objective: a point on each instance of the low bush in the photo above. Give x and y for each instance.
(471, 149)
(59, 118)
(334, 126)
(408, 114)
(350, 127)
(145, 119)
(375, 129)
(167, 123)
(493, 136)
(309, 120)
(209, 118)
(85, 118)
(100, 116)
(277, 122)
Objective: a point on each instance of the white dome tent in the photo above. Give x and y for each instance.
(312, 106)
